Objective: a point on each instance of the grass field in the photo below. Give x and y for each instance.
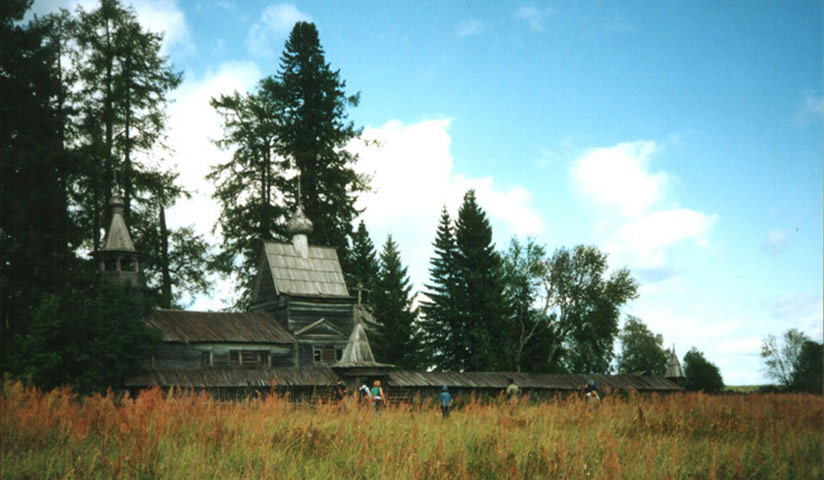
(58, 435)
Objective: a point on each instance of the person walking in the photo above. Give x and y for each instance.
(378, 398)
(591, 393)
(446, 401)
(512, 390)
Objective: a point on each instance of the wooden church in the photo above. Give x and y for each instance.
(303, 332)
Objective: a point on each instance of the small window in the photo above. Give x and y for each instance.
(234, 357)
(264, 358)
(248, 357)
(206, 359)
(128, 265)
(317, 355)
(111, 265)
(339, 353)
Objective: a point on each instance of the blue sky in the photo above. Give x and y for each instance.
(683, 138)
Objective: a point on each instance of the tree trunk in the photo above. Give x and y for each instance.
(166, 287)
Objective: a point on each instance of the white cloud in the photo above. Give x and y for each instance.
(158, 16)
(533, 16)
(193, 124)
(469, 28)
(412, 179)
(274, 25)
(644, 242)
(164, 16)
(618, 177)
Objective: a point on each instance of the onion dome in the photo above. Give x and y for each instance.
(299, 224)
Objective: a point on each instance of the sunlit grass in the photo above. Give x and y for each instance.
(58, 435)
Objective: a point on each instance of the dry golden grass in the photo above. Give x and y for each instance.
(58, 435)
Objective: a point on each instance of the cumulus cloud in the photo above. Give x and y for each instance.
(628, 196)
(193, 124)
(275, 24)
(533, 16)
(158, 16)
(469, 28)
(413, 178)
(644, 242)
(619, 177)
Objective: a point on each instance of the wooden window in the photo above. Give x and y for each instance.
(234, 357)
(264, 358)
(326, 354)
(206, 358)
(338, 353)
(249, 357)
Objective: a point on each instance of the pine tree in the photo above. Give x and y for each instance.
(362, 264)
(397, 341)
(438, 309)
(478, 290)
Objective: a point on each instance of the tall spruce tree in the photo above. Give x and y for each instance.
(479, 297)
(314, 131)
(438, 307)
(288, 136)
(362, 262)
(398, 340)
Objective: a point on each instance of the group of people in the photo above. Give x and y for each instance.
(376, 396)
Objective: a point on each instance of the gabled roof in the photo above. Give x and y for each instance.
(318, 275)
(251, 327)
(320, 327)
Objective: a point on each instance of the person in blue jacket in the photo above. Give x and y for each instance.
(446, 400)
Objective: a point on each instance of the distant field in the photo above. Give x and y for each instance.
(56, 435)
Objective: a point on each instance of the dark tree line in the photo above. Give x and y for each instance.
(84, 97)
(484, 310)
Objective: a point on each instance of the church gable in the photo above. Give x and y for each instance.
(321, 327)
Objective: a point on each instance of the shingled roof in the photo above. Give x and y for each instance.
(358, 353)
(318, 275)
(535, 381)
(234, 377)
(249, 327)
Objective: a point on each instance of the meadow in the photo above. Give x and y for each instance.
(57, 434)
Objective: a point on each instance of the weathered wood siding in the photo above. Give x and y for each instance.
(177, 355)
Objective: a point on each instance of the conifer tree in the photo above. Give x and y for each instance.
(397, 341)
(288, 136)
(438, 309)
(313, 133)
(362, 271)
(479, 295)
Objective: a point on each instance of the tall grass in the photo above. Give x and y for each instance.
(59, 435)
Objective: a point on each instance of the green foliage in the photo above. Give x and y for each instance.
(701, 374)
(781, 361)
(398, 340)
(641, 350)
(524, 270)
(438, 308)
(583, 306)
(362, 264)
(809, 368)
(294, 123)
(84, 336)
(478, 290)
